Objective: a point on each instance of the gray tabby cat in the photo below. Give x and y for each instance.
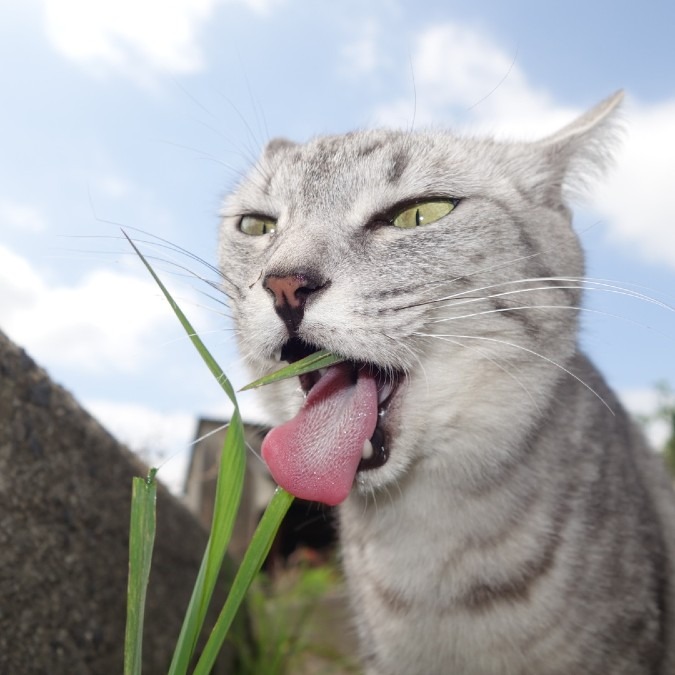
(500, 513)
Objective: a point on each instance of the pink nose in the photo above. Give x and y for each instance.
(285, 290)
(290, 295)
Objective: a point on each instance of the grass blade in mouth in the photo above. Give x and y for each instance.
(229, 488)
(228, 495)
(320, 359)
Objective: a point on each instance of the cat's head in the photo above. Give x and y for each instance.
(443, 269)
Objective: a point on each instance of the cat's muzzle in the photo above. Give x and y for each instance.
(376, 450)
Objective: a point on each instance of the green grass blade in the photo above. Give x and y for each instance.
(320, 359)
(192, 334)
(228, 495)
(250, 566)
(141, 542)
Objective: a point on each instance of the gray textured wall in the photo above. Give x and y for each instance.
(65, 486)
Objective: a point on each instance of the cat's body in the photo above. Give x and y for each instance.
(510, 518)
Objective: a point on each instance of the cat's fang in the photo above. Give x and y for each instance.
(367, 451)
(385, 392)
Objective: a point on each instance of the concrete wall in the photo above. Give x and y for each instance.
(65, 487)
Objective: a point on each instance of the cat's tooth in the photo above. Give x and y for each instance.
(384, 393)
(367, 451)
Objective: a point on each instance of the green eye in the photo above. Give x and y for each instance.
(424, 213)
(257, 225)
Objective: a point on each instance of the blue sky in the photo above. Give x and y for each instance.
(144, 113)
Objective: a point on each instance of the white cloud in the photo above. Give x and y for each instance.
(644, 403)
(127, 33)
(363, 55)
(164, 438)
(636, 201)
(114, 187)
(160, 437)
(20, 285)
(22, 217)
(106, 318)
(464, 79)
(136, 37)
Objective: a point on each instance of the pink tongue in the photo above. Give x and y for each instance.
(315, 455)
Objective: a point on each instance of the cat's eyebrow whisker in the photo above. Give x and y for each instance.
(527, 350)
(244, 152)
(205, 155)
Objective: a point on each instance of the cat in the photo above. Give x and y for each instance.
(499, 512)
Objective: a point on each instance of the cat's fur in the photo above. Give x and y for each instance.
(520, 524)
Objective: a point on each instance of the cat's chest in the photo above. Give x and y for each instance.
(404, 552)
(418, 610)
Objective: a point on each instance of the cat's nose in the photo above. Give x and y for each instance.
(290, 294)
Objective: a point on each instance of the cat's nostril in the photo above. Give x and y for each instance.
(290, 294)
(292, 290)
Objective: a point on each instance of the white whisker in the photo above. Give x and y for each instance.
(495, 363)
(562, 307)
(583, 284)
(529, 351)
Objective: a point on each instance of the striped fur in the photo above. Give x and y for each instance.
(521, 524)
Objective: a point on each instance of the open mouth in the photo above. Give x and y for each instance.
(375, 452)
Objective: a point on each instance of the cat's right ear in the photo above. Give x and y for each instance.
(276, 145)
(582, 150)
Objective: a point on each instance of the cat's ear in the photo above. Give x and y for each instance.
(277, 144)
(582, 150)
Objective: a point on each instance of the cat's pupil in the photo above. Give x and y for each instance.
(424, 213)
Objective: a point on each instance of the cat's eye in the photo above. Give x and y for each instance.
(256, 226)
(423, 213)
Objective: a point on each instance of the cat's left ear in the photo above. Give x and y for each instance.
(582, 150)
